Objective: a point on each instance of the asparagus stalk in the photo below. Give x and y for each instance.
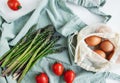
(3, 57)
(13, 51)
(27, 35)
(27, 56)
(24, 56)
(32, 59)
(44, 52)
(21, 65)
(17, 60)
(28, 52)
(25, 46)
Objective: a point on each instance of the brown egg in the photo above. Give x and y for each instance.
(93, 40)
(110, 56)
(106, 46)
(101, 53)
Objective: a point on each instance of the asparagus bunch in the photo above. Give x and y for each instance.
(32, 47)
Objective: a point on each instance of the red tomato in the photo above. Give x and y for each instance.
(42, 78)
(69, 76)
(58, 68)
(14, 5)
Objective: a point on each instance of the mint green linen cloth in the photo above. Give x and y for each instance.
(56, 13)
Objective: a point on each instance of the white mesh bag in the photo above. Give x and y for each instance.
(85, 57)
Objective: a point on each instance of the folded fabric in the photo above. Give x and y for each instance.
(57, 13)
(10, 15)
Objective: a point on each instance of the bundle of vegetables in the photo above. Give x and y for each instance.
(33, 46)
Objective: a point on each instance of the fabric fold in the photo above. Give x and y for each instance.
(57, 13)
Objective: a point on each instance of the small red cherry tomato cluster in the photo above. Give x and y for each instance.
(58, 69)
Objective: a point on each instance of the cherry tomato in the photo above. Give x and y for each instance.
(69, 76)
(14, 5)
(58, 68)
(42, 78)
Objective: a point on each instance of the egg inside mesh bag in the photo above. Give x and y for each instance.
(84, 56)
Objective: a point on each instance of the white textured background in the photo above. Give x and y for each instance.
(112, 7)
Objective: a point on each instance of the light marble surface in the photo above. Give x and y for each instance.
(111, 7)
